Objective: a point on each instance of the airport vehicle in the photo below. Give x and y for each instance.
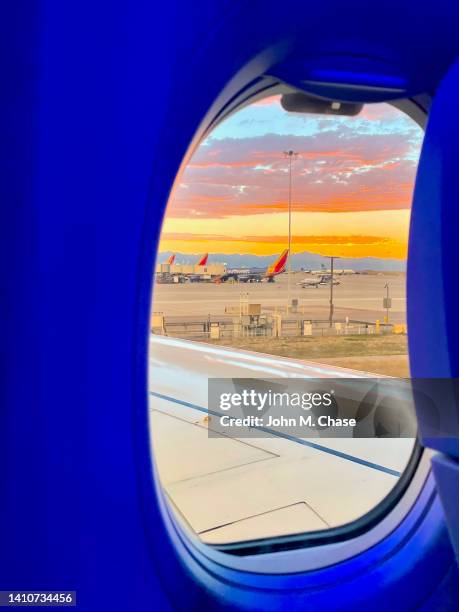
(243, 275)
(196, 278)
(325, 279)
(257, 275)
(102, 105)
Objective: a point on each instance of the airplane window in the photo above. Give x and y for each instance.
(282, 269)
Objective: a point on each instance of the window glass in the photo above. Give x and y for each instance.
(283, 258)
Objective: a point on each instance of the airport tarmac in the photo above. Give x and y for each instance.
(358, 296)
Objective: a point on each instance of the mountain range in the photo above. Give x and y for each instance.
(305, 261)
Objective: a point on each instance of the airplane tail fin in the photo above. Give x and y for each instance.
(203, 260)
(279, 265)
(171, 259)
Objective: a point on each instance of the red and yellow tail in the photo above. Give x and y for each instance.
(278, 266)
(171, 259)
(203, 260)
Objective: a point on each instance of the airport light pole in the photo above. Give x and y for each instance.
(242, 297)
(387, 302)
(290, 155)
(330, 316)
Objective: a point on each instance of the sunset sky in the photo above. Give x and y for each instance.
(352, 185)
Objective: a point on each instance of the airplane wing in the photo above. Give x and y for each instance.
(224, 473)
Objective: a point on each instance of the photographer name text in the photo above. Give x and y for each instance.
(282, 421)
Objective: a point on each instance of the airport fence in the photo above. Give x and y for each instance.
(269, 326)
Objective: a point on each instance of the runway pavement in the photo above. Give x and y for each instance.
(358, 296)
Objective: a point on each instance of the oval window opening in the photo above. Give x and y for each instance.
(278, 346)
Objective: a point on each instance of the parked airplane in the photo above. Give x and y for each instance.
(257, 275)
(325, 279)
(171, 272)
(336, 271)
(278, 266)
(203, 260)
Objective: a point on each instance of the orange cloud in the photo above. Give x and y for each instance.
(232, 196)
(345, 240)
(342, 246)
